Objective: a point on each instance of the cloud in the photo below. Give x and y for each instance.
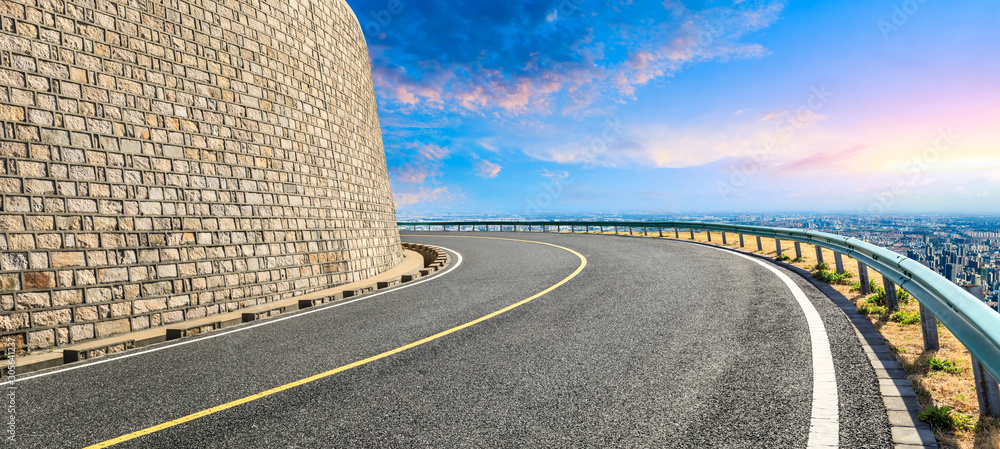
(556, 176)
(423, 195)
(417, 162)
(487, 170)
(704, 141)
(536, 58)
(434, 152)
(414, 170)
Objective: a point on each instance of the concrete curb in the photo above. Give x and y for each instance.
(427, 260)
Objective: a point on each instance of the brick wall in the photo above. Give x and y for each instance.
(163, 160)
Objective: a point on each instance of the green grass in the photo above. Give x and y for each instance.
(947, 366)
(872, 309)
(831, 277)
(901, 295)
(945, 419)
(905, 317)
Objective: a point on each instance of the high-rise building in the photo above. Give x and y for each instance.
(951, 272)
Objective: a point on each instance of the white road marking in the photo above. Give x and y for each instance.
(824, 427)
(314, 309)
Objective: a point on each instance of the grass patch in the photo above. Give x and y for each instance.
(903, 317)
(831, 277)
(947, 366)
(944, 418)
(872, 309)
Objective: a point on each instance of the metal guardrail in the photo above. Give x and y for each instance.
(967, 317)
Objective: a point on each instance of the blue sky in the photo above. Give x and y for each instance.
(669, 106)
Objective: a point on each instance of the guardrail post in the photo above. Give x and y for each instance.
(839, 260)
(645, 231)
(709, 232)
(741, 242)
(629, 229)
(891, 300)
(866, 288)
(987, 390)
(986, 386)
(724, 242)
(798, 250)
(760, 245)
(777, 246)
(692, 234)
(677, 233)
(819, 254)
(661, 232)
(928, 324)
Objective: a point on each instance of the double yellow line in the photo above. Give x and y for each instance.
(288, 386)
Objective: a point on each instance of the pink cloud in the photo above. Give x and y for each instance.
(826, 160)
(434, 152)
(415, 172)
(425, 163)
(404, 96)
(487, 170)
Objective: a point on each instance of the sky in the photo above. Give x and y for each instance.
(573, 106)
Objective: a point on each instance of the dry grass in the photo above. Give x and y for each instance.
(938, 388)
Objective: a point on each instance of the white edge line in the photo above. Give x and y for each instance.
(824, 427)
(209, 336)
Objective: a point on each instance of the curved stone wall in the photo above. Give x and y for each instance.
(167, 160)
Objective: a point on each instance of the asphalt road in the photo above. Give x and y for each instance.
(654, 344)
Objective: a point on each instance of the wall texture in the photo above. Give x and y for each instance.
(163, 160)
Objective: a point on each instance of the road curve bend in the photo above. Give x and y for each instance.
(532, 340)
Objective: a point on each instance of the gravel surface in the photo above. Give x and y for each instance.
(655, 344)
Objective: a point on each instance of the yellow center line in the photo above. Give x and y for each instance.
(288, 386)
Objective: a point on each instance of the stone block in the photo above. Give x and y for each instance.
(62, 298)
(51, 317)
(112, 327)
(39, 280)
(14, 261)
(67, 259)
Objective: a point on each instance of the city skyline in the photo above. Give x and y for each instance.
(574, 106)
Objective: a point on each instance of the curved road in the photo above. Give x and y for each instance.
(654, 343)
